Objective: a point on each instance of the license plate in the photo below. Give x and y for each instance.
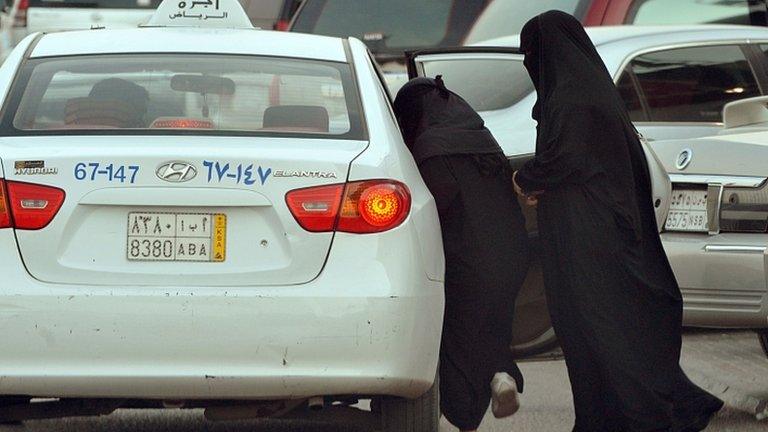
(195, 237)
(688, 211)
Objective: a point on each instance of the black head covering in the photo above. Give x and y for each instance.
(584, 130)
(436, 122)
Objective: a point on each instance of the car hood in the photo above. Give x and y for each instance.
(733, 155)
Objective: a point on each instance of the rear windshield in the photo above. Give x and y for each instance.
(201, 93)
(103, 4)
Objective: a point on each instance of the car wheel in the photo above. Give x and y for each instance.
(763, 336)
(412, 415)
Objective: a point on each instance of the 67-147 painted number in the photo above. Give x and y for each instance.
(114, 173)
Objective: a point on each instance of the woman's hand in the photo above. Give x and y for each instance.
(532, 199)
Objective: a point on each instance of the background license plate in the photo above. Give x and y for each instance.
(688, 211)
(199, 237)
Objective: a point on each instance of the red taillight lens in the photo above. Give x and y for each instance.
(33, 206)
(20, 20)
(282, 25)
(374, 206)
(5, 211)
(316, 208)
(359, 207)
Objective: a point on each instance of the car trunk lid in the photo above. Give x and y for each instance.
(183, 192)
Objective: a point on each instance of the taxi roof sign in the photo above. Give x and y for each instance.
(200, 13)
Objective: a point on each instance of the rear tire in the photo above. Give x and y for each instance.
(762, 334)
(412, 415)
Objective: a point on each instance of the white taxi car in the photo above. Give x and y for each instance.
(198, 211)
(716, 234)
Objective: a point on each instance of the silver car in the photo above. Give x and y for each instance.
(716, 233)
(675, 81)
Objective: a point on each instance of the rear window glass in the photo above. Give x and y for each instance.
(507, 17)
(204, 93)
(393, 23)
(486, 84)
(104, 4)
(693, 84)
(697, 12)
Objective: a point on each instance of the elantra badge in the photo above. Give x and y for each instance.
(684, 159)
(176, 172)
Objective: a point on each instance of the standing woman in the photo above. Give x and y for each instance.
(614, 301)
(485, 243)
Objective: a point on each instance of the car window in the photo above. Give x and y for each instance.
(507, 17)
(693, 84)
(104, 4)
(631, 96)
(645, 12)
(392, 24)
(209, 93)
(486, 84)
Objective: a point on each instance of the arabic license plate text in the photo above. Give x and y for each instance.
(197, 237)
(688, 211)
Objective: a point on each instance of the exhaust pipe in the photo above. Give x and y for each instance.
(316, 403)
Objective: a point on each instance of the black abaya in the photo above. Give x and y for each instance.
(614, 301)
(484, 238)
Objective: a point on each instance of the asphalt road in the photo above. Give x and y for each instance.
(729, 364)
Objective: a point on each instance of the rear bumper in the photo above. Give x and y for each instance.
(364, 327)
(723, 278)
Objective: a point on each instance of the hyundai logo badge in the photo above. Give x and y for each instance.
(176, 172)
(684, 159)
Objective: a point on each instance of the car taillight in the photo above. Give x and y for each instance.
(361, 207)
(181, 123)
(282, 25)
(33, 206)
(5, 211)
(316, 208)
(20, 20)
(744, 210)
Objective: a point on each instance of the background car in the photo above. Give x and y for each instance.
(675, 81)
(716, 234)
(390, 28)
(270, 14)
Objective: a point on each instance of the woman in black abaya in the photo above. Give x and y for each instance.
(485, 245)
(614, 301)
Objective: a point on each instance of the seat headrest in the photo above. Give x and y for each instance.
(297, 117)
(87, 111)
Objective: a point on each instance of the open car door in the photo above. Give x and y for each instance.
(495, 83)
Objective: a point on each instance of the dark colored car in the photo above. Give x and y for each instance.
(392, 27)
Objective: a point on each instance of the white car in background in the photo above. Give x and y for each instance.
(212, 217)
(29, 16)
(675, 81)
(716, 234)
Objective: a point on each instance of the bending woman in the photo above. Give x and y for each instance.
(614, 301)
(485, 245)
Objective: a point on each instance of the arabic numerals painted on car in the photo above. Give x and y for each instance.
(94, 171)
(241, 173)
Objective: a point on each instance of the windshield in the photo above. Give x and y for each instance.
(394, 26)
(205, 93)
(505, 18)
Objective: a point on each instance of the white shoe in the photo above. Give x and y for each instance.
(505, 398)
